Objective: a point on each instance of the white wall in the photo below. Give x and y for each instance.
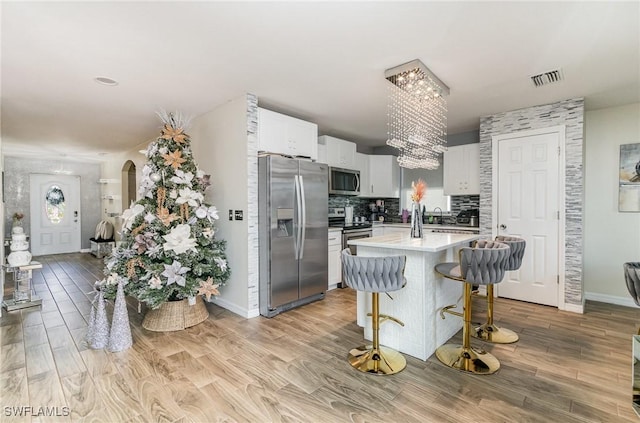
(219, 142)
(112, 172)
(611, 237)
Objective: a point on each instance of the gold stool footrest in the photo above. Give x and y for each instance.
(469, 360)
(492, 333)
(447, 309)
(383, 361)
(384, 317)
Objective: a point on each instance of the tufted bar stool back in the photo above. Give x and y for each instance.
(632, 278)
(375, 275)
(489, 331)
(517, 246)
(483, 264)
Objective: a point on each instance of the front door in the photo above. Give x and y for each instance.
(55, 214)
(528, 185)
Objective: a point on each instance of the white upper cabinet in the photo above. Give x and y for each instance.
(384, 177)
(340, 153)
(462, 170)
(322, 153)
(362, 164)
(282, 134)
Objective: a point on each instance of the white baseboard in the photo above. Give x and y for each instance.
(610, 299)
(85, 250)
(234, 308)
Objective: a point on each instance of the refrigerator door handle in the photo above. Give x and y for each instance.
(303, 226)
(298, 222)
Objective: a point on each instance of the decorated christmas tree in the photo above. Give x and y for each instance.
(168, 249)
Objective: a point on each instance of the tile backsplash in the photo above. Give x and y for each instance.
(361, 205)
(464, 202)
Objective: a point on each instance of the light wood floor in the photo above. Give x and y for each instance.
(565, 368)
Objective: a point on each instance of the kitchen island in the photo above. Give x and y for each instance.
(419, 303)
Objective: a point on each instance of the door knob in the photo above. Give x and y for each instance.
(503, 226)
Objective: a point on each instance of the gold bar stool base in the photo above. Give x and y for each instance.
(492, 333)
(469, 360)
(383, 362)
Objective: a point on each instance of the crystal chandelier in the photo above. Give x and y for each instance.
(417, 121)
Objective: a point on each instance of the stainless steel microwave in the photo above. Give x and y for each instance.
(344, 181)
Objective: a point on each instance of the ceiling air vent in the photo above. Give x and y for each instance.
(547, 77)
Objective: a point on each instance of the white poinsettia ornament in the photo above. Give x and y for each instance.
(174, 273)
(168, 244)
(129, 215)
(179, 240)
(187, 195)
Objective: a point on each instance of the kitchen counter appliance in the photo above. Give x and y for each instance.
(293, 236)
(468, 217)
(344, 181)
(350, 231)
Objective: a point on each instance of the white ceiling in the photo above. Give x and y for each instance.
(319, 61)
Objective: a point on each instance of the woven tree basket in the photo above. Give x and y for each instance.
(175, 315)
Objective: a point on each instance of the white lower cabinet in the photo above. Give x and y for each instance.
(335, 261)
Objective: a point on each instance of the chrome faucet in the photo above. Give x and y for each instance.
(438, 208)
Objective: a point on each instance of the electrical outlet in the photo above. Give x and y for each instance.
(238, 214)
(230, 214)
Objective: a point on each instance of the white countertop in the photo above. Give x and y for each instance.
(426, 226)
(431, 242)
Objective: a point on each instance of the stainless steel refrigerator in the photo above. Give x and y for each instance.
(292, 218)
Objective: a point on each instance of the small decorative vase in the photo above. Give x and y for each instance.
(416, 221)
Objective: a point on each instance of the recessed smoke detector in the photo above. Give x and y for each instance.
(547, 77)
(105, 81)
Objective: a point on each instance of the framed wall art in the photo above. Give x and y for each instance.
(629, 178)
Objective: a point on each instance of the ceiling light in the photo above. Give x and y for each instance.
(417, 122)
(105, 81)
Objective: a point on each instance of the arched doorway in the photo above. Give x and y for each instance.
(128, 184)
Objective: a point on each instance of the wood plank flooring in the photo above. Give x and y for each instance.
(565, 368)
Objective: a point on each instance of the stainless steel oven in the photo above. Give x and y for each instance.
(349, 234)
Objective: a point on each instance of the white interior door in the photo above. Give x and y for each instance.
(55, 214)
(528, 185)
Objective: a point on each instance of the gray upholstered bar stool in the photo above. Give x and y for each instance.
(632, 278)
(375, 275)
(489, 331)
(483, 264)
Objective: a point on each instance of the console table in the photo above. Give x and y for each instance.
(23, 293)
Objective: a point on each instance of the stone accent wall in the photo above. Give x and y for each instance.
(571, 114)
(253, 307)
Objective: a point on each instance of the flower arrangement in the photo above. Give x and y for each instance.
(17, 216)
(168, 249)
(419, 190)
